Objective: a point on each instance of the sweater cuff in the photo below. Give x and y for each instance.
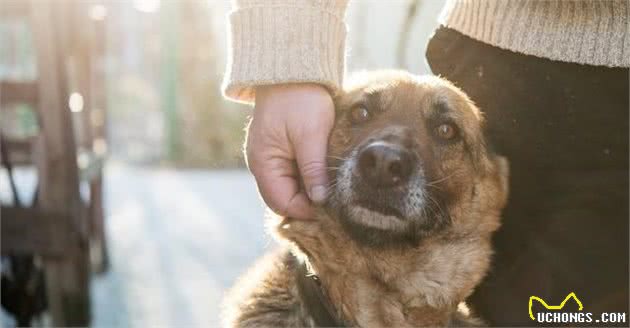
(283, 44)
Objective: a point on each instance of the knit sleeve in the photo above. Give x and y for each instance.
(284, 41)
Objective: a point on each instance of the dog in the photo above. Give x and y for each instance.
(405, 235)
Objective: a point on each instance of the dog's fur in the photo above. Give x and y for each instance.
(378, 269)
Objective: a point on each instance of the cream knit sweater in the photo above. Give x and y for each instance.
(289, 41)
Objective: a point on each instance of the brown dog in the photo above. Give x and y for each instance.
(405, 235)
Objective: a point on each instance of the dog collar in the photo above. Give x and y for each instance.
(315, 299)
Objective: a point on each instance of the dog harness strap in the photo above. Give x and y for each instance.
(315, 299)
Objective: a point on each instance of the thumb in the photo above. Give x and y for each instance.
(310, 154)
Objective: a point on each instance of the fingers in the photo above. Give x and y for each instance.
(278, 185)
(311, 159)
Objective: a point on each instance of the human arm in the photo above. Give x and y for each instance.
(288, 57)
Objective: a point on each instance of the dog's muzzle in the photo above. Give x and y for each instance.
(381, 183)
(381, 194)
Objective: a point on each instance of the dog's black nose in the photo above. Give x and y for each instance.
(383, 165)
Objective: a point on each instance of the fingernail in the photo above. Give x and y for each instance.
(318, 194)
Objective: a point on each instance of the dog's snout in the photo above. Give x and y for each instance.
(383, 165)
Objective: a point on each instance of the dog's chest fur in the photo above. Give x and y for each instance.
(398, 287)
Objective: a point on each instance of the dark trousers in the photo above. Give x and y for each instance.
(564, 129)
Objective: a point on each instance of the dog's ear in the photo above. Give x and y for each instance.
(502, 173)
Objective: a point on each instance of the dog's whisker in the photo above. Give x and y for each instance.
(434, 182)
(331, 187)
(433, 186)
(437, 204)
(340, 158)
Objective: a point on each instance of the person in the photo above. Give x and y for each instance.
(552, 79)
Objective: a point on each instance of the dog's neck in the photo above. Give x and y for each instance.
(314, 297)
(325, 313)
(410, 286)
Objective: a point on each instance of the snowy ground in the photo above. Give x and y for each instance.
(177, 241)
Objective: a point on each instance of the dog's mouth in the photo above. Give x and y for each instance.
(363, 221)
(385, 210)
(381, 210)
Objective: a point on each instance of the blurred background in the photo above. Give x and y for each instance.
(125, 199)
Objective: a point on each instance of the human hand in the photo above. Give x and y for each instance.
(291, 124)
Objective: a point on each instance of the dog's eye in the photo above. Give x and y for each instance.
(446, 131)
(359, 115)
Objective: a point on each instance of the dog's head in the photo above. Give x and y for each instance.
(408, 159)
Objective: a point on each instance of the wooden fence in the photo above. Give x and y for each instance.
(61, 228)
